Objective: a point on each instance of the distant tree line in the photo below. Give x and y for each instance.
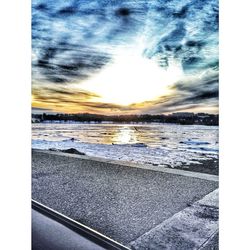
(184, 118)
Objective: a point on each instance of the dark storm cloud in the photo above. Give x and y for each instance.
(39, 110)
(189, 94)
(181, 103)
(109, 106)
(61, 94)
(182, 13)
(64, 62)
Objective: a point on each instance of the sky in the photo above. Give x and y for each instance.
(125, 57)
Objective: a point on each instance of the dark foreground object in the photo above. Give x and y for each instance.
(120, 202)
(69, 151)
(51, 230)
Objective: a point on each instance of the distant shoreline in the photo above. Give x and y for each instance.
(182, 118)
(113, 122)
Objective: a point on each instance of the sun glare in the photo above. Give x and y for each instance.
(132, 79)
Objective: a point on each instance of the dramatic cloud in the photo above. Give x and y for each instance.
(63, 99)
(74, 41)
(191, 93)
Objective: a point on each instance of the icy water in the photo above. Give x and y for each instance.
(155, 144)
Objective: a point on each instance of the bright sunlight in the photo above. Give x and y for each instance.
(132, 79)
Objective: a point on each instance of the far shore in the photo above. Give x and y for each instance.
(182, 118)
(118, 123)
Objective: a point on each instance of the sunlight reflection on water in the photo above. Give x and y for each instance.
(163, 144)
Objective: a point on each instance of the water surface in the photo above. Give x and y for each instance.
(161, 144)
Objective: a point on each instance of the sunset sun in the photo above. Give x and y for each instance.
(132, 79)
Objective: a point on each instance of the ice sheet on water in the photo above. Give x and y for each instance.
(192, 142)
(143, 155)
(145, 144)
(142, 145)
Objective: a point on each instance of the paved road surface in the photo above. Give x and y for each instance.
(121, 202)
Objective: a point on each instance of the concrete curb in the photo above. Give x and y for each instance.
(190, 228)
(198, 175)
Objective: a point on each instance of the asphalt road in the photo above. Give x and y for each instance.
(118, 201)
